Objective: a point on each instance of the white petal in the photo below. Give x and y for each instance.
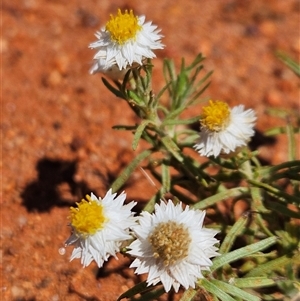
(125, 55)
(186, 271)
(107, 240)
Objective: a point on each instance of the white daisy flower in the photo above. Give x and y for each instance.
(125, 41)
(223, 129)
(99, 227)
(172, 246)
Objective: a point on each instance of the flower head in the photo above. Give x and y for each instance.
(223, 129)
(124, 41)
(172, 246)
(99, 226)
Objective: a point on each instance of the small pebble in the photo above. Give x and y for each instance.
(62, 251)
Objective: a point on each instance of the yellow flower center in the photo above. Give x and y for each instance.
(215, 116)
(170, 242)
(123, 27)
(88, 217)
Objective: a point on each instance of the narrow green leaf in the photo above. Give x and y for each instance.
(170, 75)
(242, 252)
(280, 130)
(152, 295)
(181, 121)
(194, 76)
(139, 132)
(123, 177)
(124, 127)
(289, 165)
(165, 177)
(138, 86)
(236, 230)
(149, 207)
(188, 295)
(291, 142)
(191, 86)
(181, 86)
(293, 65)
(214, 290)
(262, 225)
(252, 282)
(125, 81)
(189, 140)
(172, 147)
(275, 192)
(283, 209)
(147, 81)
(137, 289)
(176, 112)
(275, 131)
(234, 291)
(135, 98)
(257, 200)
(194, 100)
(203, 79)
(161, 92)
(112, 88)
(270, 266)
(169, 70)
(221, 196)
(293, 173)
(140, 288)
(199, 58)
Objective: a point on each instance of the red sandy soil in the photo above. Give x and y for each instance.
(58, 141)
